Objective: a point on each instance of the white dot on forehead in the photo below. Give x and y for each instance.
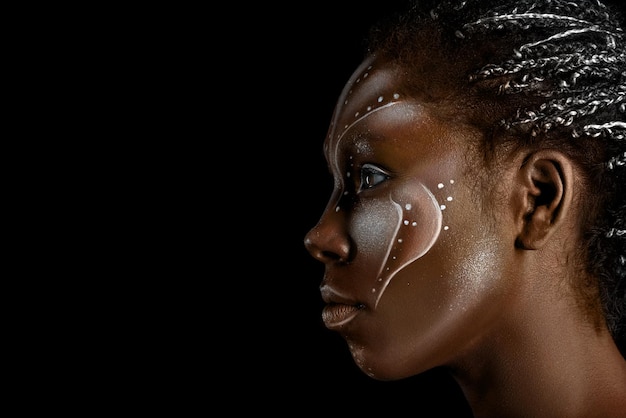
(396, 96)
(440, 186)
(380, 99)
(408, 206)
(349, 94)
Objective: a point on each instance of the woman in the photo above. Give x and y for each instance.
(478, 216)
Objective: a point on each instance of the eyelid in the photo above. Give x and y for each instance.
(370, 169)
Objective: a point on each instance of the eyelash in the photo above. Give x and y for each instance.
(367, 172)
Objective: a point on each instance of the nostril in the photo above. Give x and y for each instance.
(325, 256)
(328, 256)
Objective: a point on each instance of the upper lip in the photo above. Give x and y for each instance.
(330, 295)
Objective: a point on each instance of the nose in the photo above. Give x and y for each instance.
(327, 242)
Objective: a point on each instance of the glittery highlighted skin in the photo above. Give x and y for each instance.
(415, 218)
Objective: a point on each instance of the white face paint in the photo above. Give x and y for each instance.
(396, 230)
(411, 225)
(410, 269)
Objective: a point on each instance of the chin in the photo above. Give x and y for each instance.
(383, 366)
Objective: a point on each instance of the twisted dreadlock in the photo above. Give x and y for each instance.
(542, 73)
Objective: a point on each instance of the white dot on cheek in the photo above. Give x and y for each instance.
(408, 206)
(440, 186)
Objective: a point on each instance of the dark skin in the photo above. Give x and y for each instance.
(425, 269)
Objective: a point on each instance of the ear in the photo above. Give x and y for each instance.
(543, 196)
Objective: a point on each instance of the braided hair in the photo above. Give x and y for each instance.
(534, 74)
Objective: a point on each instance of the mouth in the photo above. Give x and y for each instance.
(340, 308)
(336, 315)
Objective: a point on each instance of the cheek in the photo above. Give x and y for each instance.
(421, 324)
(477, 285)
(453, 289)
(392, 233)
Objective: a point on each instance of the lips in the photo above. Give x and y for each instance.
(340, 309)
(335, 315)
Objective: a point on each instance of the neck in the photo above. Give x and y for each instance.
(544, 363)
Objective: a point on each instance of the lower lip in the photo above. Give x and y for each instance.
(336, 316)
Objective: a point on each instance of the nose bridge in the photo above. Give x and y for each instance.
(328, 239)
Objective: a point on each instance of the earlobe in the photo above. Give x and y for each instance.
(545, 182)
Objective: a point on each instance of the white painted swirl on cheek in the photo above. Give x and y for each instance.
(392, 232)
(419, 226)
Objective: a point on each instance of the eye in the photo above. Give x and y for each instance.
(371, 176)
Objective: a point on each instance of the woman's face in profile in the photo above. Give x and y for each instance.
(414, 268)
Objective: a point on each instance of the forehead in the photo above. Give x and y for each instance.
(371, 87)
